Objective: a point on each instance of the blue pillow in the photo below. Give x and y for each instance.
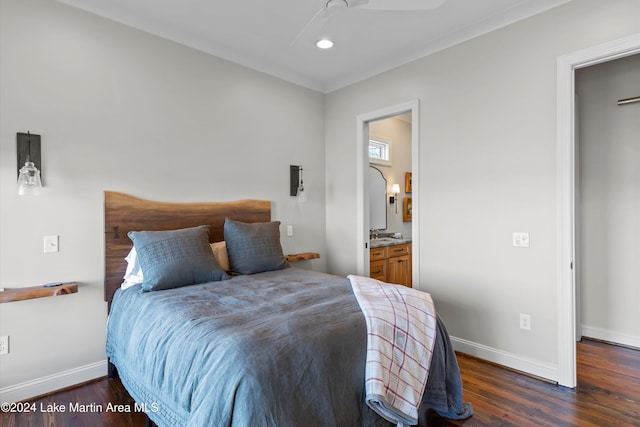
(254, 247)
(175, 258)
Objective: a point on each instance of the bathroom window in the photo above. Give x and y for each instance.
(379, 152)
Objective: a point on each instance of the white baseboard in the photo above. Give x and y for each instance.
(614, 337)
(532, 367)
(44, 385)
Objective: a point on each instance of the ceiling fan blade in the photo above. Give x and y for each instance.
(396, 4)
(313, 27)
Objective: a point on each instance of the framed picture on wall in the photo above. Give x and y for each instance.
(407, 182)
(407, 211)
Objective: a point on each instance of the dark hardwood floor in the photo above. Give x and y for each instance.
(608, 394)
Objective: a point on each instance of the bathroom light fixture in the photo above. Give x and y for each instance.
(324, 44)
(28, 147)
(395, 189)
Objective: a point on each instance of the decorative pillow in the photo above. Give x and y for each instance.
(254, 247)
(220, 253)
(133, 274)
(175, 258)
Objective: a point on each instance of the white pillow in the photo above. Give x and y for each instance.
(133, 275)
(220, 253)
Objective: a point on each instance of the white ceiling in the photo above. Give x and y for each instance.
(259, 33)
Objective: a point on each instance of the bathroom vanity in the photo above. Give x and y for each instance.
(390, 260)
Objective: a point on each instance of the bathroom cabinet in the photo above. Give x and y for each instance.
(391, 263)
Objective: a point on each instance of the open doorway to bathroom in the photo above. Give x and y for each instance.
(393, 130)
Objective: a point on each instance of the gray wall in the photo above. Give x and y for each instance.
(122, 110)
(609, 153)
(487, 169)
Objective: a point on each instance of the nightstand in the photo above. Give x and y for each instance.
(21, 294)
(302, 256)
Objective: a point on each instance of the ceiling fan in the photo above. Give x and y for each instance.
(333, 7)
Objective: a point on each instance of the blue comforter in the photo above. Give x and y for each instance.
(282, 348)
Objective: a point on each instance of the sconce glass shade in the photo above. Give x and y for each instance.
(29, 182)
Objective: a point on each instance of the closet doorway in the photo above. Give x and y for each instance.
(566, 192)
(368, 127)
(608, 201)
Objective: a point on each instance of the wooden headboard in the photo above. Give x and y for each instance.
(124, 213)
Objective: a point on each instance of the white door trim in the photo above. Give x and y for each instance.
(565, 188)
(362, 193)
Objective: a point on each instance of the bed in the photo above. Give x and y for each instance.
(272, 346)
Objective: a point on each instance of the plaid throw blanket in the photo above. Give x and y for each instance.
(401, 328)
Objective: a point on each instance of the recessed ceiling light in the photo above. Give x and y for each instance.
(324, 44)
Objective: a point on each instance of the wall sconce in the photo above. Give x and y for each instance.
(296, 183)
(395, 189)
(29, 164)
(295, 180)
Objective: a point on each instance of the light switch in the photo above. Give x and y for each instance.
(521, 240)
(51, 244)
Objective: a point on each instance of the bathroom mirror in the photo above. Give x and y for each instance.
(377, 199)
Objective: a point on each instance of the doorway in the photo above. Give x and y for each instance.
(608, 202)
(363, 122)
(566, 191)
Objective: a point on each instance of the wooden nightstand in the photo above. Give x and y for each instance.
(21, 294)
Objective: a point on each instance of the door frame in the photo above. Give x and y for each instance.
(566, 191)
(362, 184)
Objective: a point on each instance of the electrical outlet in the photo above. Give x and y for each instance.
(51, 244)
(289, 230)
(525, 322)
(4, 345)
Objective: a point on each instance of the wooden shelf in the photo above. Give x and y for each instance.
(302, 256)
(21, 294)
